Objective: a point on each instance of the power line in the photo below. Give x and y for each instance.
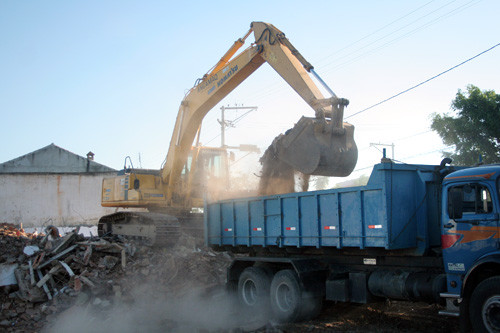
(408, 157)
(373, 33)
(228, 124)
(412, 135)
(427, 153)
(387, 35)
(394, 40)
(423, 82)
(272, 89)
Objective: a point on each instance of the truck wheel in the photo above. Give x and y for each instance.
(288, 301)
(253, 289)
(286, 296)
(484, 308)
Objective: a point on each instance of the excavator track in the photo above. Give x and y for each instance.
(155, 229)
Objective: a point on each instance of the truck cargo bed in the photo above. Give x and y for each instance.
(397, 209)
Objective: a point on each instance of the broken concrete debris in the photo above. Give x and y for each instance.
(42, 275)
(7, 276)
(31, 250)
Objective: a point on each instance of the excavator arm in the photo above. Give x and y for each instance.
(320, 145)
(332, 140)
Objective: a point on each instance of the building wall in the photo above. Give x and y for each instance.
(53, 159)
(52, 199)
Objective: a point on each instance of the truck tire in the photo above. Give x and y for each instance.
(253, 289)
(484, 308)
(288, 301)
(285, 296)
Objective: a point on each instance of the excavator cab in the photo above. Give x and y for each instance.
(206, 171)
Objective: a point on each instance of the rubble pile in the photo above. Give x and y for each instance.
(177, 270)
(12, 241)
(42, 275)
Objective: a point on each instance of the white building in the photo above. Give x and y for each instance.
(52, 186)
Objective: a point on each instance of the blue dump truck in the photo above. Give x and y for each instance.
(414, 232)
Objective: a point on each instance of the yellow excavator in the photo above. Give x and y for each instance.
(319, 145)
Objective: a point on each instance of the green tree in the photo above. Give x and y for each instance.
(473, 128)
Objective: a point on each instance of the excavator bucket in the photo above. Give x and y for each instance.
(314, 148)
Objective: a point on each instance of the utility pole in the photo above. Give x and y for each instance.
(230, 123)
(385, 145)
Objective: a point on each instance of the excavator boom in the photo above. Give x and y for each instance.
(319, 145)
(326, 139)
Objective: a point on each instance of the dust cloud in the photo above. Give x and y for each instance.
(150, 313)
(277, 176)
(178, 289)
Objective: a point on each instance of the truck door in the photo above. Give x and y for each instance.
(470, 225)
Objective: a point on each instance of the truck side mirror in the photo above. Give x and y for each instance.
(455, 203)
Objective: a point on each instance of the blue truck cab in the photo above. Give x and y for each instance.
(414, 232)
(470, 243)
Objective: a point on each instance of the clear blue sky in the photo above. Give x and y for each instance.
(108, 76)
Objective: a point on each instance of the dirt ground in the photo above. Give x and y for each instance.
(178, 289)
(395, 316)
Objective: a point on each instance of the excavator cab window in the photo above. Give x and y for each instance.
(187, 166)
(214, 165)
(210, 172)
(209, 162)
